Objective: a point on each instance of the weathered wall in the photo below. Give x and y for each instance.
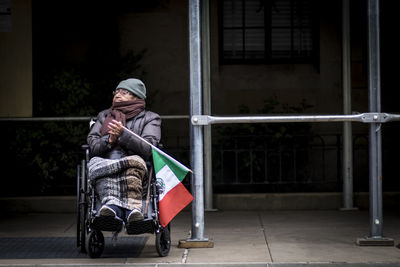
(16, 63)
(163, 33)
(166, 62)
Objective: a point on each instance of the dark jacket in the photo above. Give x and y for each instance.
(147, 124)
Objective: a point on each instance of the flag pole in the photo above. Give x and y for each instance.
(138, 136)
(156, 148)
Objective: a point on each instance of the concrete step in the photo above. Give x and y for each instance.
(260, 201)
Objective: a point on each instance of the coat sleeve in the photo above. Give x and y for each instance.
(98, 145)
(151, 132)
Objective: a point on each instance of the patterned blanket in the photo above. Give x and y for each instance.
(118, 181)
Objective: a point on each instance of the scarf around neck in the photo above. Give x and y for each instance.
(122, 111)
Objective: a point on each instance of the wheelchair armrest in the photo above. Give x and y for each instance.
(84, 147)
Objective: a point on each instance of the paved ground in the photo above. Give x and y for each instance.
(241, 238)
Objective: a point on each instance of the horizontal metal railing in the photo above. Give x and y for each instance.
(79, 118)
(207, 120)
(362, 117)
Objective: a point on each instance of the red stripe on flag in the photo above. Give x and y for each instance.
(173, 202)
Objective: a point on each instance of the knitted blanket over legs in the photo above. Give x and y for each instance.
(118, 181)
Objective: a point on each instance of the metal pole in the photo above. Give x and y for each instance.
(375, 139)
(196, 133)
(44, 119)
(347, 127)
(375, 158)
(363, 117)
(205, 29)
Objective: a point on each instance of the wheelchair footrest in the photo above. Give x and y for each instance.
(105, 223)
(140, 227)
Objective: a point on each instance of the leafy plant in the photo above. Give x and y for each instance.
(45, 153)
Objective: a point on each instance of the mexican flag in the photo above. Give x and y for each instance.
(173, 194)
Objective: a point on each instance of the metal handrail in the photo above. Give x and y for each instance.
(372, 117)
(82, 118)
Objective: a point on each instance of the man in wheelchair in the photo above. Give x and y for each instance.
(118, 159)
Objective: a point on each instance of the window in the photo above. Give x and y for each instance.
(267, 31)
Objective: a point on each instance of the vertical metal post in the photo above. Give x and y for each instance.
(347, 127)
(205, 49)
(375, 147)
(196, 133)
(375, 140)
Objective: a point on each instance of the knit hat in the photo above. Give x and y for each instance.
(134, 86)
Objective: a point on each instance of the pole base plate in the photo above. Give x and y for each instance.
(375, 241)
(349, 209)
(196, 243)
(211, 210)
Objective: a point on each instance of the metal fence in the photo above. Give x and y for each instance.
(40, 159)
(305, 163)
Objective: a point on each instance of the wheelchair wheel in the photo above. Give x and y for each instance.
(81, 213)
(163, 241)
(82, 227)
(81, 210)
(95, 244)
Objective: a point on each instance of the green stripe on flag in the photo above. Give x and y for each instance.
(160, 160)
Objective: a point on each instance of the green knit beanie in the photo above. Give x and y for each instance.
(134, 86)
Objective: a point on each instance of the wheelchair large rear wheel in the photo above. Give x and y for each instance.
(163, 241)
(95, 244)
(81, 213)
(82, 227)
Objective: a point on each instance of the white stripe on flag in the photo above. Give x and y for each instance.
(172, 159)
(169, 180)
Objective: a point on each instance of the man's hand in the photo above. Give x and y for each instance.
(115, 129)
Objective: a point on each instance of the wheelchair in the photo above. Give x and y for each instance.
(90, 238)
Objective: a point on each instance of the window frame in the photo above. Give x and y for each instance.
(312, 59)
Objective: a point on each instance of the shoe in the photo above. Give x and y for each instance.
(134, 215)
(107, 220)
(106, 211)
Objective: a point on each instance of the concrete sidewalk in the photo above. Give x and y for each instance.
(241, 238)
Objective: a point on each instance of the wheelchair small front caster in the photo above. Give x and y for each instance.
(163, 241)
(95, 244)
